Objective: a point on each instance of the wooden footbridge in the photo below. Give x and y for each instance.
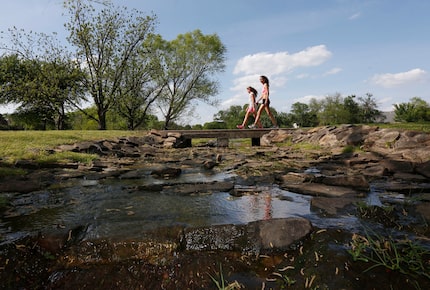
(224, 135)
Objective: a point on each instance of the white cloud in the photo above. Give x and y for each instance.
(391, 80)
(333, 71)
(308, 98)
(275, 66)
(281, 62)
(354, 16)
(302, 76)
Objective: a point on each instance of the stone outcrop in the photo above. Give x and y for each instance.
(336, 178)
(255, 237)
(400, 158)
(379, 153)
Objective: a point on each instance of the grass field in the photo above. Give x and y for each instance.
(422, 127)
(34, 145)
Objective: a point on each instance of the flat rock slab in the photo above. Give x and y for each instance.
(255, 237)
(333, 206)
(317, 189)
(21, 186)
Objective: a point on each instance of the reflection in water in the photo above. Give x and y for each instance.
(111, 209)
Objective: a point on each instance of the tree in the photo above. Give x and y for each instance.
(138, 91)
(44, 88)
(186, 68)
(4, 124)
(353, 109)
(302, 115)
(106, 41)
(230, 117)
(282, 119)
(38, 74)
(368, 109)
(417, 110)
(333, 110)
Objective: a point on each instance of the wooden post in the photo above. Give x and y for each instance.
(255, 141)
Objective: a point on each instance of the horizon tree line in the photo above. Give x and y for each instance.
(115, 62)
(126, 73)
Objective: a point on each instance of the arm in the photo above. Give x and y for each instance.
(259, 99)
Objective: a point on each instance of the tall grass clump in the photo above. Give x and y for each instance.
(404, 256)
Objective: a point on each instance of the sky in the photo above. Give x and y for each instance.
(307, 48)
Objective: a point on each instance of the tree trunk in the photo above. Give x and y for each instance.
(166, 123)
(102, 120)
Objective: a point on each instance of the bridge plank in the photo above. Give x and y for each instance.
(223, 133)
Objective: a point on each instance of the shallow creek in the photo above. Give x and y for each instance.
(113, 209)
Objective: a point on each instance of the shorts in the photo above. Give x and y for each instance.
(250, 109)
(266, 102)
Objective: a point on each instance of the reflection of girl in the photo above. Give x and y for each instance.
(251, 107)
(265, 105)
(268, 207)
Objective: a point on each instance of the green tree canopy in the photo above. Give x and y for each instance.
(417, 110)
(186, 70)
(106, 41)
(302, 115)
(369, 112)
(48, 89)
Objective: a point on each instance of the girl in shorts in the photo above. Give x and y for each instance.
(265, 104)
(252, 107)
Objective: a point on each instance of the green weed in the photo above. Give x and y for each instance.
(404, 256)
(222, 284)
(8, 171)
(351, 149)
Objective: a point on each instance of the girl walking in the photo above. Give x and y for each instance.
(252, 106)
(265, 103)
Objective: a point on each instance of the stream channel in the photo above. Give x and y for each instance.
(113, 209)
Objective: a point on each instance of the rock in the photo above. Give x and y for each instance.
(423, 169)
(394, 166)
(209, 164)
(255, 237)
(132, 174)
(168, 172)
(279, 233)
(355, 181)
(332, 206)
(174, 135)
(374, 171)
(27, 164)
(297, 178)
(21, 186)
(274, 136)
(317, 189)
(198, 188)
(424, 210)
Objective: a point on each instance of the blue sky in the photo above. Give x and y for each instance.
(307, 48)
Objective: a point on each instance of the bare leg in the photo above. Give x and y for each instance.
(257, 119)
(245, 119)
(271, 116)
(258, 123)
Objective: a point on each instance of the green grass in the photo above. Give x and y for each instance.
(404, 256)
(36, 145)
(7, 171)
(351, 149)
(421, 127)
(222, 284)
